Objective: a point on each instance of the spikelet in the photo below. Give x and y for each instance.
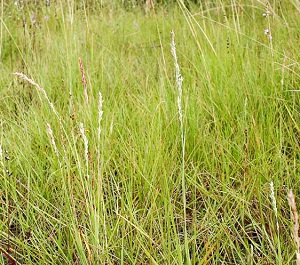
(274, 204)
(295, 218)
(179, 78)
(83, 80)
(100, 114)
(53, 143)
(86, 144)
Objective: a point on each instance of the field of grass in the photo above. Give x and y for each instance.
(106, 158)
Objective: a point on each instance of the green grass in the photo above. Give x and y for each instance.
(134, 198)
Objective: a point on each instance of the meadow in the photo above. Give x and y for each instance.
(149, 133)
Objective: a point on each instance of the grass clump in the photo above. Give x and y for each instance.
(107, 158)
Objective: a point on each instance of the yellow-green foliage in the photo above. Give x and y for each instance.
(125, 181)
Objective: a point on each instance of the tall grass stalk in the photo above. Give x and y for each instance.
(274, 205)
(43, 91)
(179, 80)
(53, 143)
(83, 80)
(86, 147)
(295, 219)
(100, 194)
(100, 114)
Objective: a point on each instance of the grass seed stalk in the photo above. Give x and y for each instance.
(179, 81)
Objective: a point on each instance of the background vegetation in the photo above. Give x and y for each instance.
(148, 189)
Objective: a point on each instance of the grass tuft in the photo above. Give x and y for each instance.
(108, 157)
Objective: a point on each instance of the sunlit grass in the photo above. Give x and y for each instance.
(150, 188)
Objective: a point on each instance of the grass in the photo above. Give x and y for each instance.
(125, 181)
